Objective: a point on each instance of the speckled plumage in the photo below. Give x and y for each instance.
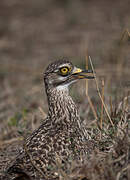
(60, 135)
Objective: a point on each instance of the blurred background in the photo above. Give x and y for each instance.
(34, 33)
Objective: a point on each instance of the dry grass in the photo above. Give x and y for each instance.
(110, 159)
(105, 110)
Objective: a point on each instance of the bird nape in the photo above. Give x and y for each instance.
(61, 136)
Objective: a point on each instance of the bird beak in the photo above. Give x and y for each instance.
(82, 74)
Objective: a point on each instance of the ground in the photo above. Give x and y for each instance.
(34, 33)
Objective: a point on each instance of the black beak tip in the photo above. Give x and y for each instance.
(91, 77)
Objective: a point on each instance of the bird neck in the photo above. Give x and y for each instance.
(62, 108)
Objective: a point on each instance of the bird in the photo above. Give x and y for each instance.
(61, 135)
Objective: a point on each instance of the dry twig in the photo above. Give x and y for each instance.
(89, 100)
(101, 119)
(100, 93)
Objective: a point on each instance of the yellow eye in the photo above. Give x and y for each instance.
(65, 70)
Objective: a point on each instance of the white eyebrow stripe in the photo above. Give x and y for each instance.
(56, 70)
(64, 65)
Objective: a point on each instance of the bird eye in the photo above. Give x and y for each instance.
(65, 70)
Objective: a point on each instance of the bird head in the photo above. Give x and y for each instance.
(60, 74)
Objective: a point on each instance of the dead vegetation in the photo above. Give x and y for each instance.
(106, 108)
